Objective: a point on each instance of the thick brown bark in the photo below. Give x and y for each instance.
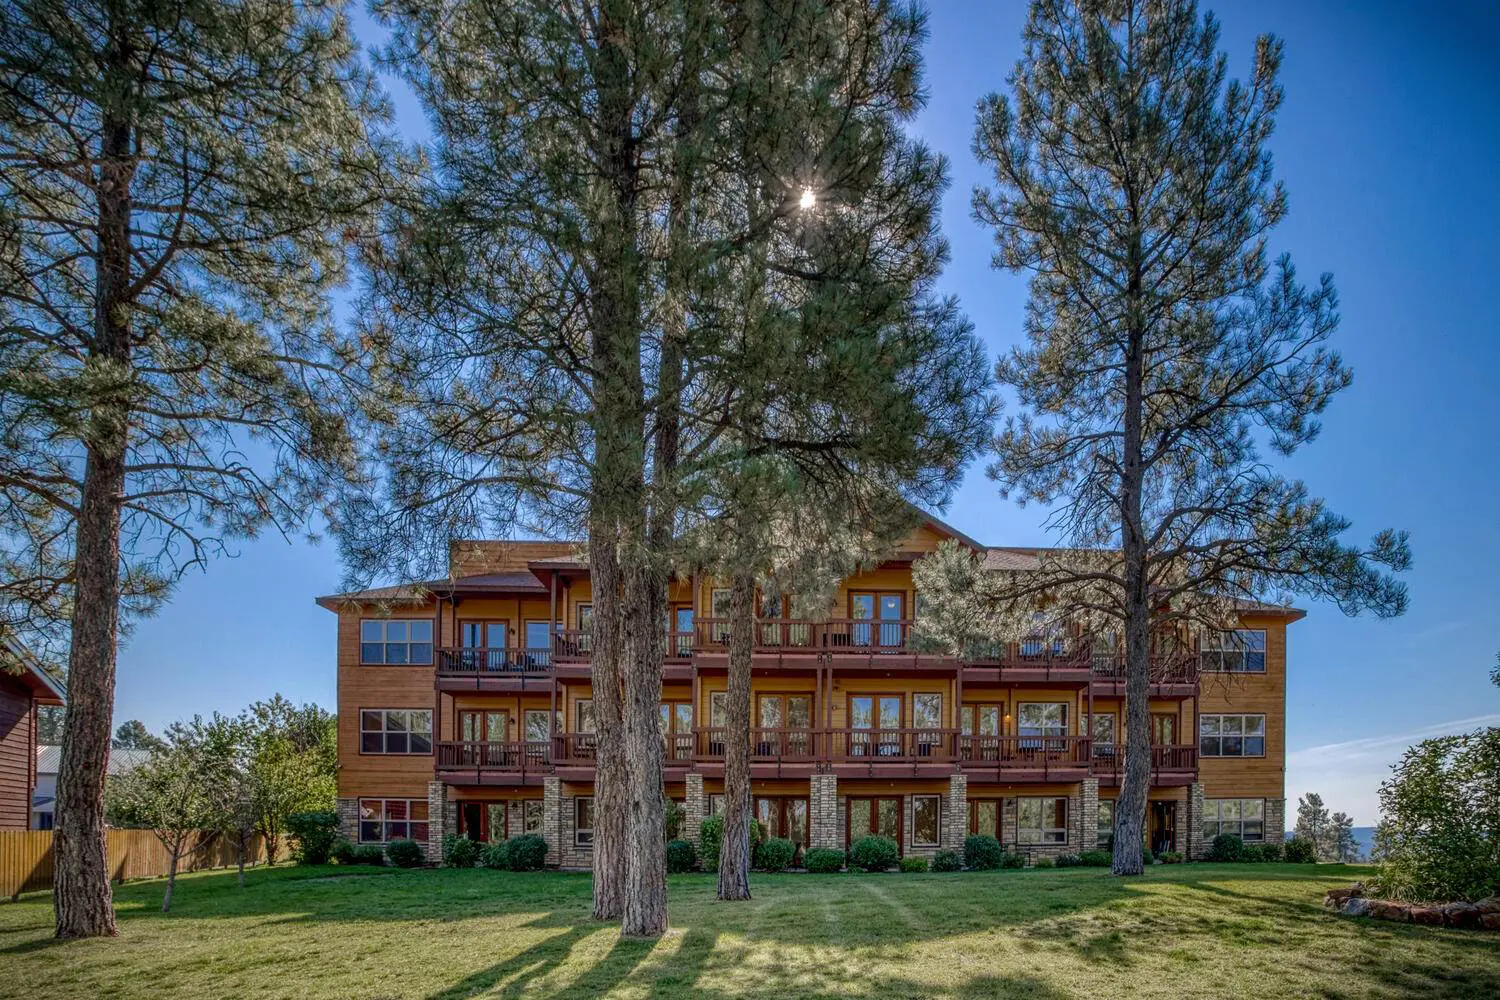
(646, 862)
(734, 852)
(609, 764)
(81, 891)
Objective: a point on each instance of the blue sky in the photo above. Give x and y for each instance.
(1386, 142)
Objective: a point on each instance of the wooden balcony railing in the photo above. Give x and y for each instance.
(1025, 751)
(765, 744)
(513, 661)
(805, 635)
(1049, 653)
(513, 756)
(1109, 759)
(1166, 666)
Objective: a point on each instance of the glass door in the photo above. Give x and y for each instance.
(875, 723)
(483, 734)
(483, 644)
(880, 817)
(891, 608)
(538, 644)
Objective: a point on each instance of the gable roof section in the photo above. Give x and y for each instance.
(16, 660)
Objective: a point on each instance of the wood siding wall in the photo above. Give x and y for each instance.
(17, 754)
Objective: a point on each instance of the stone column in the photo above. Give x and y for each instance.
(824, 803)
(1196, 848)
(956, 813)
(552, 818)
(348, 810)
(695, 811)
(440, 820)
(1275, 821)
(1087, 824)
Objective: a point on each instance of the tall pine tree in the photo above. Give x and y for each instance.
(180, 177)
(1133, 183)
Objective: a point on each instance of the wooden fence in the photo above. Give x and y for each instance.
(26, 857)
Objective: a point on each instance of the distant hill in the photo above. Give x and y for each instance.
(1364, 836)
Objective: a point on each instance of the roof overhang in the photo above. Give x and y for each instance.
(45, 689)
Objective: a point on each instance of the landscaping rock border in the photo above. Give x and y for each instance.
(1352, 902)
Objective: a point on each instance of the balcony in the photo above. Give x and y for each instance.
(1172, 673)
(1170, 765)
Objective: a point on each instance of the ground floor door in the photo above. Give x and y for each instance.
(1163, 827)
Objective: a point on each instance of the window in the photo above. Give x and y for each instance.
(927, 711)
(1104, 731)
(583, 821)
(538, 729)
(1105, 837)
(783, 816)
(1232, 735)
(395, 640)
(715, 805)
(1043, 718)
(719, 606)
(925, 810)
(381, 820)
(585, 617)
(980, 720)
(1042, 821)
(1242, 651)
(984, 817)
(1246, 818)
(677, 730)
(525, 816)
(583, 716)
(718, 708)
(1045, 636)
(879, 817)
(395, 730)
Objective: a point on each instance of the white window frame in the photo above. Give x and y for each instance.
(1250, 726)
(369, 640)
(385, 731)
(1046, 729)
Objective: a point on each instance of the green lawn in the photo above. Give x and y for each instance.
(1182, 931)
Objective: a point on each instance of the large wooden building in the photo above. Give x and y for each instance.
(465, 706)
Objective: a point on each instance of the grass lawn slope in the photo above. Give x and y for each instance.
(1181, 931)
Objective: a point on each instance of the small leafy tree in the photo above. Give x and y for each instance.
(1439, 834)
(178, 792)
(292, 765)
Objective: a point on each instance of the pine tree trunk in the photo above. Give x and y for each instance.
(609, 755)
(81, 891)
(734, 850)
(1130, 808)
(646, 861)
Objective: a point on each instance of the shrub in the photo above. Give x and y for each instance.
(915, 863)
(1171, 857)
(1069, 861)
(343, 852)
(710, 838)
(1270, 851)
(823, 861)
(776, 854)
(495, 856)
(681, 857)
(405, 853)
(946, 861)
(1227, 847)
(672, 817)
(1147, 858)
(526, 853)
(1011, 859)
(874, 854)
(459, 851)
(1300, 851)
(1096, 859)
(1044, 862)
(316, 831)
(982, 852)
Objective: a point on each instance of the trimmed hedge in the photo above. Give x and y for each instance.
(495, 856)
(1069, 861)
(681, 857)
(526, 853)
(915, 863)
(982, 852)
(405, 853)
(946, 861)
(459, 851)
(710, 840)
(1096, 859)
(1171, 857)
(823, 861)
(1300, 851)
(346, 853)
(1045, 862)
(1270, 852)
(1228, 847)
(874, 854)
(776, 854)
(1012, 859)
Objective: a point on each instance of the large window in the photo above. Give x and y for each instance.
(1245, 818)
(1104, 734)
(925, 822)
(927, 713)
(880, 817)
(382, 820)
(782, 816)
(583, 716)
(1042, 821)
(583, 821)
(1043, 718)
(1105, 835)
(984, 817)
(395, 640)
(1232, 735)
(1242, 651)
(526, 816)
(538, 728)
(395, 730)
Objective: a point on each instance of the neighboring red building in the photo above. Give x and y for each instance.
(24, 687)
